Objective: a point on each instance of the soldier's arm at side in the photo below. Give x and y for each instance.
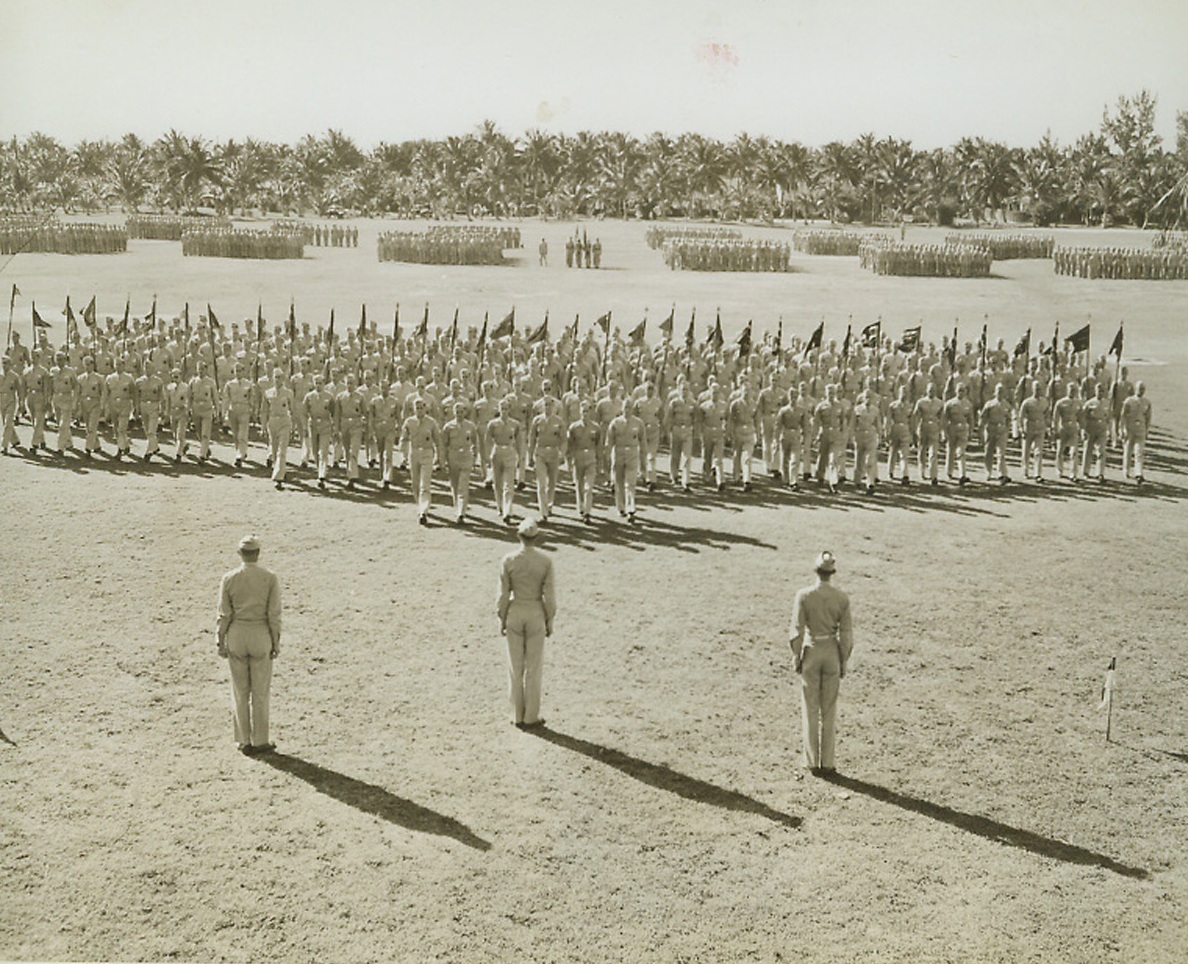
(274, 615)
(845, 636)
(548, 596)
(504, 595)
(225, 612)
(797, 632)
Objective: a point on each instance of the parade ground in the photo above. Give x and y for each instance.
(662, 814)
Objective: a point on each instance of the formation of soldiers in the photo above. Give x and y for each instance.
(1167, 263)
(581, 252)
(1006, 247)
(169, 227)
(424, 247)
(726, 254)
(331, 235)
(241, 243)
(885, 256)
(658, 234)
(505, 236)
(1171, 239)
(21, 233)
(823, 242)
(597, 407)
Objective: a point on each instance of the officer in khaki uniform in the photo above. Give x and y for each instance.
(249, 633)
(824, 612)
(527, 605)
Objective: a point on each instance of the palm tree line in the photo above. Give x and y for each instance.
(1118, 174)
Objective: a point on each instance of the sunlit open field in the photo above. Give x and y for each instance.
(980, 815)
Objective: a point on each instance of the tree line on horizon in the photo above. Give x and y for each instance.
(1118, 174)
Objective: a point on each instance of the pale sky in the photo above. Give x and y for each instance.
(930, 71)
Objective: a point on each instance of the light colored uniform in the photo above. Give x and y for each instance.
(250, 626)
(279, 404)
(527, 604)
(821, 661)
(1135, 423)
(459, 440)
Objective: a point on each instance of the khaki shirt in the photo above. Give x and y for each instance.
(825, 612)
(526, 575)
(250, 594)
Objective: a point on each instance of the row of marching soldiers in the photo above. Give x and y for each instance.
(1130, 264)
(598, 404)
(52, 237)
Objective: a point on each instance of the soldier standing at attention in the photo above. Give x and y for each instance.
(502, 435)
(625, 441)
(1067, 414)
(927, 416)
(119, 389)
(1033, 423)
(319, 411)
(237, 405)
(820, 659)
(1096, 418)
(249, 633)
(899, 435)
(543, 251)
(957, 417)
(526, 607)
(203, 400)
(10, 393)
(38, 392)
(996, 430)
(65, 393)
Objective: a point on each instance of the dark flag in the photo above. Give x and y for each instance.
(1079, 340)
(507, 327)
(210, 317)
(71, 323)
(815, 339)
(541, 333)
(715, 339)
(604, 323)
(88, 315)
(1024, 346)
(572, 331)
(779, 336)
(259, 324)
(454, 328)
(123, 329)
(744, 341)
(846, 343)
(423, 328)
(636, 335)
(152, 316)
(38, 321)
(872, 334)
(396, 327)
(1116, 344)
(666, 324)
(690, 335)
(952, 353)
(363, 321)
(329, 335)
(482, 346)
(292, 324)
(12, 300)
(910, 341)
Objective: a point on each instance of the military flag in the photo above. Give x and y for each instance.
(38, 321)
(541, 333)
(1079, 340)
(846, 342)
(71, 323)
(505, 328)
(690, 335)
(872, 334)
(667, 323)
(152, 315)
(814, 341)
(910, 341)
(329, 336)
(363, 320)
(744, 341)
(88, 315)
(779, 341)
(1116, 344)
(952, 352)
(1024, 346)
(572, 331)
(637, 334)
(454, 329)
(396, 327)
(422, 330)
(604, 322)
(715, 339)
(982, 345)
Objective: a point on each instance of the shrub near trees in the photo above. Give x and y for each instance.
(1119, 173)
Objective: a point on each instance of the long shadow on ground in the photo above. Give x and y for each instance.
(369, 798)
(665, 778)
(990, 829)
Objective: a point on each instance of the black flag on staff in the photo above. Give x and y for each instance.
(910, 341)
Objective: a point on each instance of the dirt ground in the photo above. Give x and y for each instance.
(662, 815)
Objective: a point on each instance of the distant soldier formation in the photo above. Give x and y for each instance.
(332, 235)
(828, 242)
(22, 233)
(241, 243)
(1166, 263)
(443, 247)
(580, 252)
(725, 254)
(495, 406)
(1007, 247)
(657, 234)
(885, 256)
(170, 227)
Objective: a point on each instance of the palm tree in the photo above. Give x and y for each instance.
(128, 172)
(703, 165)
(537, 159)
(836, 174)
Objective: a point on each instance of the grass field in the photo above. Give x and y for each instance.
(662, 815)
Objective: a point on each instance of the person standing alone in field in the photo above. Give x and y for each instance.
(249, 633)
(824, 612)
(527, 605)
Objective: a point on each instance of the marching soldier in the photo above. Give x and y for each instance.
(421, 442)
(1135, 424)
(582, 441)
(545, 444)
(1068, 430)
(1096, 417)
(625, 440)
(278, 411)
(177, 394)
(150, 397)
(459, 441)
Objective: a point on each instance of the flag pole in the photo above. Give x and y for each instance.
(11, 305)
